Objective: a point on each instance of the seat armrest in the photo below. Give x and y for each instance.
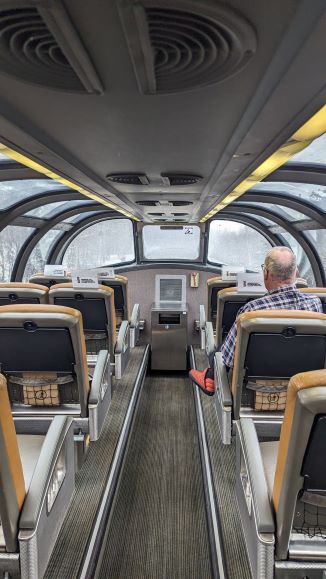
(202, 317)
(222, 380)
(134, 326)
(135, 314)
(256, 475)
(209, 338)
(96, 391)
(122, 340)
(59, 431)
(100, 395)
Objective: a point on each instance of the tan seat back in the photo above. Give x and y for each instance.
(47, 280)
(214, 286)
(121, 300)
(44, 346)
(13, 293)
(12, 485)
(229, 301)
(273, 345)
(97, 308)
(299, 489)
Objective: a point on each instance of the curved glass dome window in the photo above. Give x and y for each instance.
(162, 242)
(12, 192)
(50, 208)
(38, 257)
(285, 212)
(79, 217)
(259, 218)
(315, 153)
(107, 242)
(12, 238)
(233, 243)
(318, 238)
(315, 194)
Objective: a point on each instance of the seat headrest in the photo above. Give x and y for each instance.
(40, 309)
(276, 314)
(17, 285)
(69, 285)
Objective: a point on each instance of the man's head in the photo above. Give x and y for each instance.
(280, 268)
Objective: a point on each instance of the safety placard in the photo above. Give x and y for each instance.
(230, 272)
(55, 270)
(84, 279)
(251, 282)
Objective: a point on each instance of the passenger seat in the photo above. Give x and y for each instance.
(22, 293)
(214, 286)
(99, 323)
(37, 479)
(43, 356)
(281, 486)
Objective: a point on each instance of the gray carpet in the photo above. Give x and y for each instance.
(158, 527)
(90, 480)
(223, 467)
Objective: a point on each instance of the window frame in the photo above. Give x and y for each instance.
(202, 254)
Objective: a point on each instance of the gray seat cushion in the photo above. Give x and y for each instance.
(29, 449)
(269, 452)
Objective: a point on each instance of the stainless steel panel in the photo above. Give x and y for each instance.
(169, 339)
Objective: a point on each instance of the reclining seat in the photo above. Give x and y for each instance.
(43, 356)
(33, 469)
(48, 281)
(317, 291)
(214, 286)
(272, 346)
(98, 311)
(122, 311)
(120, 287)
(229, 301)
(281, 486)
(22, 293)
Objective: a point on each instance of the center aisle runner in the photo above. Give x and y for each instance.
(158, 527)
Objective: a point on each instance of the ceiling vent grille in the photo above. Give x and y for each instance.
(156, 203)
(185, 44)
(39, 44)
(176, 179)
(128, 178)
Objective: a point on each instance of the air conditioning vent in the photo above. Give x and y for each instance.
(175, 179)
(156, 214)
(179, 45)
(128, 178)
(156, 203)
(39, 44)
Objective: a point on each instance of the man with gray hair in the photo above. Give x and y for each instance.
(280, 271)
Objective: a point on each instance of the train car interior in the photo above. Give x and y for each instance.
(162, 289)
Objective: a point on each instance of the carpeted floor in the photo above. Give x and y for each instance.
(223, 467)
(158, 527)
(90, 481)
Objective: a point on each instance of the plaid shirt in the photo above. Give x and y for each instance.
(284, 298)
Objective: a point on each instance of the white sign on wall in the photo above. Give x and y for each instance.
(55, 270)
(251, 282)
(84, 279)
(230, 272)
